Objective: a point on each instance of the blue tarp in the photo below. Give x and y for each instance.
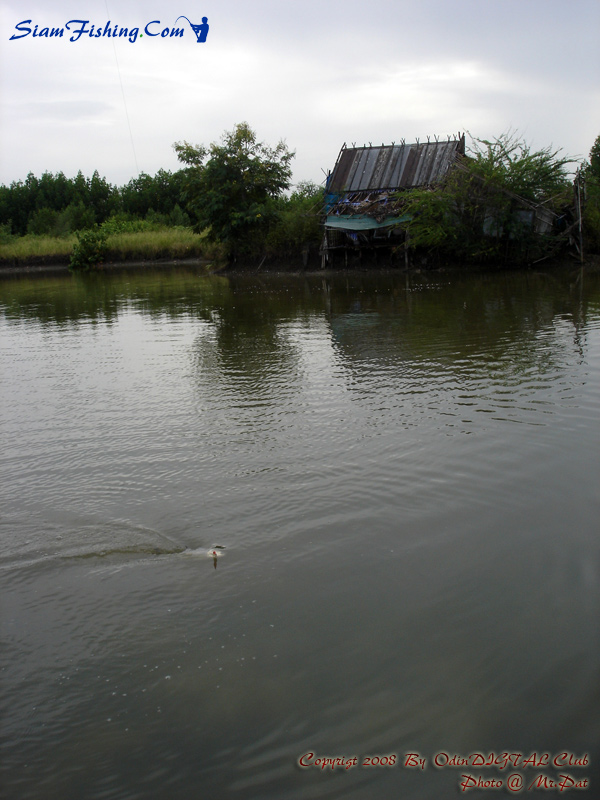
(361, 222)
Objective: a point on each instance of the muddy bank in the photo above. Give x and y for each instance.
(59, 264)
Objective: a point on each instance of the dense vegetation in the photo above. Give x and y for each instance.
(231, 201)
(590, 174)
(485, 209)
(233, 205)
(235, 191)
(55, 205)
(89, 220)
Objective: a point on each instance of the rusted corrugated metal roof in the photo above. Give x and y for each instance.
(392, 167)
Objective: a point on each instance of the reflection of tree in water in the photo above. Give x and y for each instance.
(248, 365)
(492, 320)
(66, 299)
(58, 299)
(246, 349)
(508, 345)
(456, 320)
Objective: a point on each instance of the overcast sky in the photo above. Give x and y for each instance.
(316, 74)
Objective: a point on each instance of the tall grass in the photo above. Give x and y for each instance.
(148, 245)
(173, 243)
(22, 248)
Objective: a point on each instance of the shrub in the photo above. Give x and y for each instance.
(90, 250)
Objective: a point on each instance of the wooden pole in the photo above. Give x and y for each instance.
(579, 222)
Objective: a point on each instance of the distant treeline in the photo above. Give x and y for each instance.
(234, 193)
(55, 205)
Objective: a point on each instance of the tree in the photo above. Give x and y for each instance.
(158, 194)
(591, 211)
(594, 165)
(483, 209)
(230, 185)
(508, 163)
(298, 227)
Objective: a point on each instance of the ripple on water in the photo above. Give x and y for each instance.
(405, 483)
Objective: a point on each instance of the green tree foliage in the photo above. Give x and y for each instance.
(593, 168)
(508, 163)
(42, 221)
(46, 221)
(482, 211)
(17, 203)
(90, 250)
(591, 199)
(158, 194)
(230, 187)
(298, 226)
(55, 204)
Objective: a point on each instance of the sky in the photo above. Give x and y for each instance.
(315, 74)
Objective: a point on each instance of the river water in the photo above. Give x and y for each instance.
(402, 476)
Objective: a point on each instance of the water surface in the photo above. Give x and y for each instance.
(403, 474)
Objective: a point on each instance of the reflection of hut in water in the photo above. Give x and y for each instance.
(362, 208)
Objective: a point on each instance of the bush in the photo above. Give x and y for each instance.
(90, 250)
(125, 223)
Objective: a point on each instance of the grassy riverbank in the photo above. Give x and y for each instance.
(182, 244)
(149, 245)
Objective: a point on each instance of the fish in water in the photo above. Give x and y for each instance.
(214, 552)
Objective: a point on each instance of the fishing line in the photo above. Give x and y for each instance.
(137, 169)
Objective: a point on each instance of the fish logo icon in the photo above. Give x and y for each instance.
(201, 31)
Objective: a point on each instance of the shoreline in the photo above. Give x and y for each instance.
(210, 267)
(63, 266)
